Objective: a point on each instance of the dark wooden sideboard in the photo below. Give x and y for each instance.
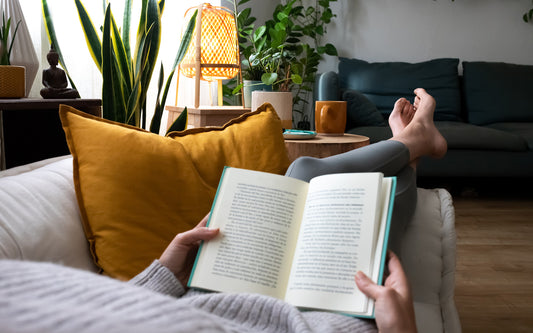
(30, 129)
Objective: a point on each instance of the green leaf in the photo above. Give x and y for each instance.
(180, 123)
(296, 79)
(120, 53)
(326, 16)
(155, 125)
(160, 104)
(261, 43)
(109, 110)
(282, 16)
(331, 50)
(269, 78)
(259, 33)
(126, 24)
(186, 40)
(277, 37)
(93, 41)
(280, 26)
(237, 89)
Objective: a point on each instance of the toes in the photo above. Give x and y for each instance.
(407, 107)
(423, 97)
(399, 104)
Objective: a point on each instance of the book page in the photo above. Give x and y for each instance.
(259, 215)
(388, 187)
(336, 240)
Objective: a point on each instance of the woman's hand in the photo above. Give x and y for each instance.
(394, 305)
(179, 256)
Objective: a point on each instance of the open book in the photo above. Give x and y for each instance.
(297, 241)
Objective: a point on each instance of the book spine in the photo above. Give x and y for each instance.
(207, 225)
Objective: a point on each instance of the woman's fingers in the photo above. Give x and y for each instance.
(199, 233)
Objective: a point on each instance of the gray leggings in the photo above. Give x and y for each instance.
(389, 157)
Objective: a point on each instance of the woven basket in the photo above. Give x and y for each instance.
(12, 81)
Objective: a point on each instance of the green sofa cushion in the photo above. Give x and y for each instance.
(462, 136)
(524, 130)
(491, 87)
(384, 82)
(467, 136)
(361, 111)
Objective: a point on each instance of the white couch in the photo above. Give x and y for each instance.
(40, 221)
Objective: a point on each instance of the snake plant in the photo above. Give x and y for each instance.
(127, 72)
(6, 45)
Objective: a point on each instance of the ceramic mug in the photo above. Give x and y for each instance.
(330, 117)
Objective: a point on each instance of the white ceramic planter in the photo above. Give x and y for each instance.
(281, 101)
(251, 86)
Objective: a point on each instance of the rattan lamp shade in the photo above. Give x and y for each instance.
(218, 49)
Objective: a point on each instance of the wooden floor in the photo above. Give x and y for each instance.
(494, 277)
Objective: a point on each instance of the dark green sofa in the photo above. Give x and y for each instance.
(485, 114)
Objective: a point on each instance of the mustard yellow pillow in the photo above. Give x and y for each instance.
(137, 190)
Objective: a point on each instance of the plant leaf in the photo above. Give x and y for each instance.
(180, 123)
(296, 78)
(153, 39)
(237, 88)
(160, 104)
(155, 124)
(124, 63)
(109, 110)
(331, 50)
(126, 24)
(185, 40)
(269, 78)
(93, 41)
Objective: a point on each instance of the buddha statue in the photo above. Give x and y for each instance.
(55, 80)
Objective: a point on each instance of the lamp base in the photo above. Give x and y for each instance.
(204, 116)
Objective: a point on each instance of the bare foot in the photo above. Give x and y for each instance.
(401, 115)
(420, 135)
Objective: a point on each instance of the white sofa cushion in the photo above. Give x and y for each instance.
(39, 215)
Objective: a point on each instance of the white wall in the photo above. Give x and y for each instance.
(418, 30)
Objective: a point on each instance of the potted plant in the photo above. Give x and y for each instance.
(285, 52)
(126, 70)
(12, 78)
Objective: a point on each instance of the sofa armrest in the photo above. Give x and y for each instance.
(328, 87)
(428, 258)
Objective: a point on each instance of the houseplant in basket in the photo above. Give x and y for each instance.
(12, 78)
(285, 52)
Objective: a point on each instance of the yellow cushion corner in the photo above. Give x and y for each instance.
(137, 190)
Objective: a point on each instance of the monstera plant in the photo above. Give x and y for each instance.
(127, 71)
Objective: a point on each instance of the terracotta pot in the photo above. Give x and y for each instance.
(12, 81)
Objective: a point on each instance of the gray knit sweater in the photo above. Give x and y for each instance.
(44, 297)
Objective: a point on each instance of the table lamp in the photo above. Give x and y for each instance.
(214, 50)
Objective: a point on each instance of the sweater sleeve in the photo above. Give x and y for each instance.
(158, 278)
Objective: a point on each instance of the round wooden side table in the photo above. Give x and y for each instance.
(324, 146)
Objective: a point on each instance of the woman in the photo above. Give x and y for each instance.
(39, 297)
